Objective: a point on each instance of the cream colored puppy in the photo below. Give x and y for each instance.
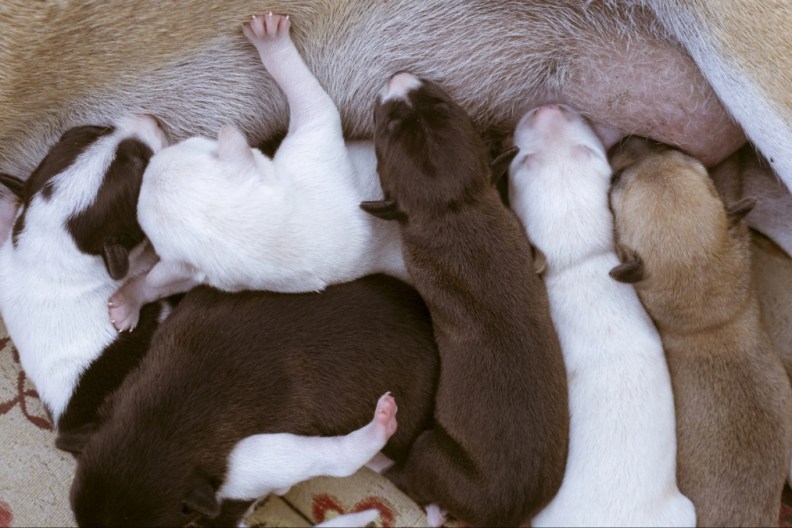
(690, 260)
(621, 469)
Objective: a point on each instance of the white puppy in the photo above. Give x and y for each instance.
(73, 241)
(223, 214)
(621, 469)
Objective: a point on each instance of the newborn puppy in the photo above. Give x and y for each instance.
(689, 258)
(496, 451)
(621, 467)
(223, 214)
(190, 428)
(74, 240)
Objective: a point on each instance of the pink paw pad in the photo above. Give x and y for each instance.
(385, 414)
(266, 28)
(123, 313)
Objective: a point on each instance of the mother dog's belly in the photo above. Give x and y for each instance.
(497, 59)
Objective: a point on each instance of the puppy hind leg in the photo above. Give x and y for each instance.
(309, 103)
(262, 463)
(164, 279)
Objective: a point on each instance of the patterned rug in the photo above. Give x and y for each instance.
(35, 477)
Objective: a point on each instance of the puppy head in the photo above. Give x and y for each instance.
(88, 184)
(557, 143)
(670, 221)
(429, 156)
(131, 483)
(558, 184)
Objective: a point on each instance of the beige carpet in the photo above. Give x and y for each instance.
(35, 477)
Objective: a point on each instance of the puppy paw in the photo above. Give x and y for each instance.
(267, 31)
(435, 515)
(124, 312)
(385, 415)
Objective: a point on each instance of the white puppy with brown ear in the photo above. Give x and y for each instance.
(223, 214)
(621, 469)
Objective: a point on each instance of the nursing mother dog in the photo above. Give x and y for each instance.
(496, 452)
(622, 447)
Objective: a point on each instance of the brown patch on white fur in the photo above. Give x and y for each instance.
(693, 274)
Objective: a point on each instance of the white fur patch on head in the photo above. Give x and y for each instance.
(145, 128)
(399, 86)
(553, 128)
(558, 183)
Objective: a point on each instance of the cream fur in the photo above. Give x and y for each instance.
(223, 214)
(622, 449)
(692, 271)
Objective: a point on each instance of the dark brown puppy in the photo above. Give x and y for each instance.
(226, 366)
(497, 451)
(690, 260)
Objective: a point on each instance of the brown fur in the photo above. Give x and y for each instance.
(226, 366)
(497, 452)
(731, 392)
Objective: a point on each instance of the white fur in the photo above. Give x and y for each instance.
(221, 213)
(52, 296)
(621, 469)
(273, 463)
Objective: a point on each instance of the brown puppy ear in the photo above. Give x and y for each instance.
(116, 258)
(383, 209)
(539, 260)
(630, 271)
(200, 497)
(738, 210)
(500, 165)
(13, 184)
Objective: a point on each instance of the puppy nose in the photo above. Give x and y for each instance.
(399, 85)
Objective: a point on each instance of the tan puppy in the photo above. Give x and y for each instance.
(689, 258)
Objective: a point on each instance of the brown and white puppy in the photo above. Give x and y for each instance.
(184, 437)
(71, 239)
(497, 451)
(689, 258)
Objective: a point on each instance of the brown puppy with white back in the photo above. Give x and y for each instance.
(497, 451)
(690, 260)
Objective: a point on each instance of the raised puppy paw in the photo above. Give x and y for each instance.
(267, 32)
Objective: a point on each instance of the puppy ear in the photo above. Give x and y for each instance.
(74, 441)
(539, 260)
(384, 209)
(200, 497)
(13, 184)
(232, 145)
(500, 165)
(629, 271)
(116, 258)
(738, 210)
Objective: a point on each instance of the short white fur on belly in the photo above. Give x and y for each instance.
(621, 469)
